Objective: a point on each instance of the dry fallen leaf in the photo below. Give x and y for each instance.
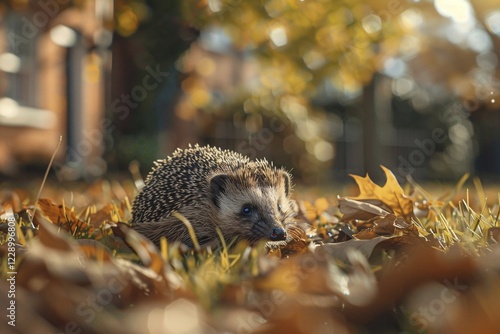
(359, 210)
(338, 272)
(321, 204)
(64, 218)
(365, 247)
(391, 194)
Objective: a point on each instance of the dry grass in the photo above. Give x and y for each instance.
(386, 261)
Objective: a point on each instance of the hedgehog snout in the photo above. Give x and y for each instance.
(276, 230)
(278, 234)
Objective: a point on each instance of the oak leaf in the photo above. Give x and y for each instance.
(391, 194)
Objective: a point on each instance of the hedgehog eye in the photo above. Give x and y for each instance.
(246, 210)
(280, 208)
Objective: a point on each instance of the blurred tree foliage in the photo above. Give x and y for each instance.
(331, 50)
(315, 53)
(305, 49)
(304, 43)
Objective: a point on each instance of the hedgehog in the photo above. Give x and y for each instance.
(214, 189)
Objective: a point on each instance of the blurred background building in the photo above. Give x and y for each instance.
(325, 88)
(54, 73)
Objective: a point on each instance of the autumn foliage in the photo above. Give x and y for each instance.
(385, 261)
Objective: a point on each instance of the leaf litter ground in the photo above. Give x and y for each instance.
(390, 260)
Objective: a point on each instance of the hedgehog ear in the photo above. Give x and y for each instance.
(287, 182)
(218, 187)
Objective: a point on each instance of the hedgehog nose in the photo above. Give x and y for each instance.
(278, 233)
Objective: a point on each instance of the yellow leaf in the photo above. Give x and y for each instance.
(307, 210)
(321, 205)
(391, 194)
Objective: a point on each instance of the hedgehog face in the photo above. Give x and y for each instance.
(252, 208)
